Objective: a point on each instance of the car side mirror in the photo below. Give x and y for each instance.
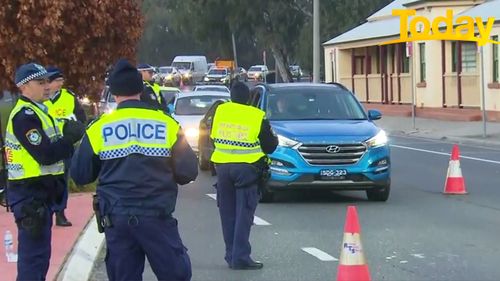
(374, 114)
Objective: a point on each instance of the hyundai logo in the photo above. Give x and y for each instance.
(333, 149)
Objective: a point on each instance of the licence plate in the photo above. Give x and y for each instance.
(339, 174)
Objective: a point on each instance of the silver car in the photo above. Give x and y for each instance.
(188, 109)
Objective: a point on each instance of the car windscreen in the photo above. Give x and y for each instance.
(195, 105)
(313, 104)
(255, 68)
(217, 72)
(168, 94)
(181, 65)
(166, 70)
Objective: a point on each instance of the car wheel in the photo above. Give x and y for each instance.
(266, 196)
(379, 194)
(203, 163)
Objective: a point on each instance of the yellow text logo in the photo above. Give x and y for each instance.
(442, 28)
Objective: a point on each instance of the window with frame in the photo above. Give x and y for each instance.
(421, 48)
(469, 56)
(495, 58)
(405, 61)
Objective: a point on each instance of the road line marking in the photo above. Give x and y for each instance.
(259, 221)
(322, 256)
(256, 219)
(446, 154)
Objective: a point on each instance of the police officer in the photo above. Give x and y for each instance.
(151, 92)
(63, 105)
(242, 138)
(35, 149)
(139, 154)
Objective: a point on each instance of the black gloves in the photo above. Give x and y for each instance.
(73, 130)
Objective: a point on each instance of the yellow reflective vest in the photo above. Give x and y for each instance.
(156, 90)
(235, 132)
(63, 107)
(127, 131)
(20, 164)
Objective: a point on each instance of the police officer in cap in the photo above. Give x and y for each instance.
(139, 155)
(63, 105)
(242, 138)
(151, 92)
(35, 150)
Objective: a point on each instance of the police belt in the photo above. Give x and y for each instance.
(239, 151)
(138, 211)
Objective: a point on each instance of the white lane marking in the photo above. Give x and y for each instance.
(446, 154)
(419, 256)
(322, 256)
(403, 262)
(259, 221)
(256, 219)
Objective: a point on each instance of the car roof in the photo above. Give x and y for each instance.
(169, 88)
(211, 86)
(307, 85)
(258, 65)
(205, 93)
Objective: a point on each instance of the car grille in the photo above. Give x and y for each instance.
(345, 154)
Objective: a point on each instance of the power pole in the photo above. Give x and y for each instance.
(316, 45)
(234, 50)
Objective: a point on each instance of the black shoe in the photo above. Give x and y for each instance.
(249, 266)
(61, 219)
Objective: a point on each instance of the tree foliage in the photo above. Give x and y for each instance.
(81, 37)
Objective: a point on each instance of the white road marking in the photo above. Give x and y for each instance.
(256, 219)
(322, 256)
(403, 262)
(259, 221)
(419, 256)
(446, 154)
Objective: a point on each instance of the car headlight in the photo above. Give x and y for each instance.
(187, 74)
(192, 133)
(257, 74)
(379, 140)
(207, 79)
(169, 77)
(286, 142)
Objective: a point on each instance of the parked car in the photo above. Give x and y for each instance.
(205, 143)
(296, 71)
(189, 109)
(257, 72)
(170, 76)
(169, 93)
(211, 88)
(326, 140)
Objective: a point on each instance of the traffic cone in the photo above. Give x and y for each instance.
(352, 265)
(455, 183)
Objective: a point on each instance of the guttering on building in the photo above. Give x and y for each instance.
(446, 74)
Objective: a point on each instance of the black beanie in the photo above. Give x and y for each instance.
(125, 80)
(240, 93)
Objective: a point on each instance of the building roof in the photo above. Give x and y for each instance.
(382, 24)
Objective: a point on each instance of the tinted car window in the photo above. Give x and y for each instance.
(197, 105)
(311, 104)
(168, 95)
(255, 68)
(217, 72)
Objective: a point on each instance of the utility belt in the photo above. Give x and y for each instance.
(104, 220)
(262, 166)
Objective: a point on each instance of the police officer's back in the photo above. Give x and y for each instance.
(242, 138)
(35, 148)
(139, 155)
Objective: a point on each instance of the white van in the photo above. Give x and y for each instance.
(192, 68)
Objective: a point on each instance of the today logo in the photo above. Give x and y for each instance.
(464, 31)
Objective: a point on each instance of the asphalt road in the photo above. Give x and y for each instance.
(418, 234)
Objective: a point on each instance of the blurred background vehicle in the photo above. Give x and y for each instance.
(296, 72)
(192, 68)
(189, 109)
(211, 88)
(218, 75)
(257, 72)
(170, 76)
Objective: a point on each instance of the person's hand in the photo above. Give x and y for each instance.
(73, 130)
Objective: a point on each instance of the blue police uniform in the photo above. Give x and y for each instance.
(139, 155)
(151, 93)
(35, 180)
(236, 161)
(74, 108)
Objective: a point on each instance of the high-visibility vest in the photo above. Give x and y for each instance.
(235, 133)
(127, 131)
(63, 107)
(20, 163)
(156, 89)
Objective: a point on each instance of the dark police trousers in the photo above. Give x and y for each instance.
(63, 203)
(237, 198)
(33, 252)
(131, 238)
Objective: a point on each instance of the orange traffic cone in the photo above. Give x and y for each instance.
(455, 183)
(352, 265)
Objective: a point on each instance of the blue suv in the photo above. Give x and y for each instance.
(326, 140)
